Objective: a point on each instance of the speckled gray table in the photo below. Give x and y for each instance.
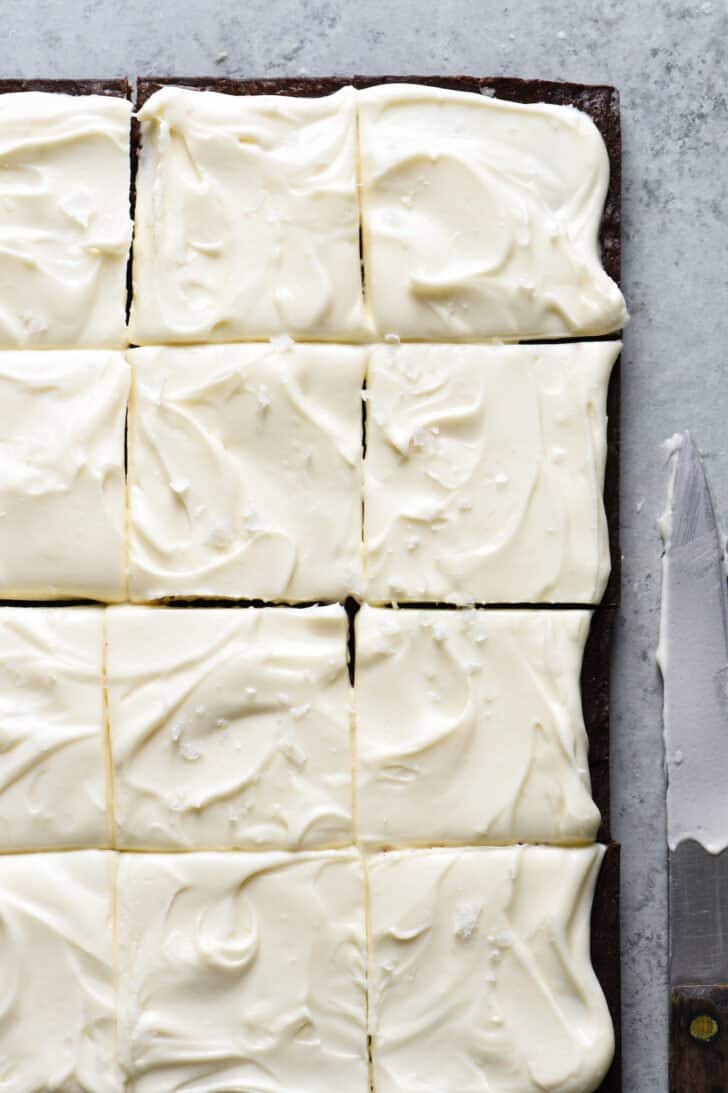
(669, 59)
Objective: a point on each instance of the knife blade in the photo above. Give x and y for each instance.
(693, 657)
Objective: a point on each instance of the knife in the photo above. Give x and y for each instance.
(693, 657)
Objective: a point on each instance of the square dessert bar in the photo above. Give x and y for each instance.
(62, 493)
(245, 468)
(65, 228)
(247, 219)
(480, 973)
(53, 777)
(230, 728)
(480, 217)
(469, 728)
(58, 1028)
(243, 971)
(484, 473)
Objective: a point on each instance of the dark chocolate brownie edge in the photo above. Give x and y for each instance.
(595, 703)
(118, 88)
(605, 950)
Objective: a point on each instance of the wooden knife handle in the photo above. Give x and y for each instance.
(699, 1039)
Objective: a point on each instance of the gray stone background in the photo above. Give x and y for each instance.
(670, 61)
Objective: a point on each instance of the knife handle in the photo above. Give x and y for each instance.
(699, 1039)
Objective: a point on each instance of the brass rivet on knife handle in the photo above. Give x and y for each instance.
(704, 1027)
(699, 1039)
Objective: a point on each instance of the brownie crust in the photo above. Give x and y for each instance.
(605, 951)
(120, 89)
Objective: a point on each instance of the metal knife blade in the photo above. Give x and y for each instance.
(694, 661)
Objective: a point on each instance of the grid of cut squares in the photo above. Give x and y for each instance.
(482, 480)
(245, 469)
(163, 972)
(235, 728)
(470, 729)
(253, 967)
(62, 491)
(479, 218)
(65, 229)
(484, 473)
(230, 728)
(53, 763)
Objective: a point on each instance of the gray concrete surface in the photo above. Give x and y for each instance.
(670, 61)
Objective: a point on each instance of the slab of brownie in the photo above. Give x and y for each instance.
(120, 89)
(601, 102)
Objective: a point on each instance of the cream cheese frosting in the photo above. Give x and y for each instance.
(247, 218)
(481, 217)
(243, 971)
(480, 974)
(62, 493)
(230, 728)
(484, 473)
(469, 728)
(52, 732)
(65, 229)
(245, 472)
(57, 1030)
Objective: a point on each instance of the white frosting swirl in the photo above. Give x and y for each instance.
(481, 217)
(230, 729)
(62, 490)
(247, 218)
(57, 1007)
(245, 472)
(243, 972)
(484, 473)
(469, 728)
(52, 745)
(480, 977)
